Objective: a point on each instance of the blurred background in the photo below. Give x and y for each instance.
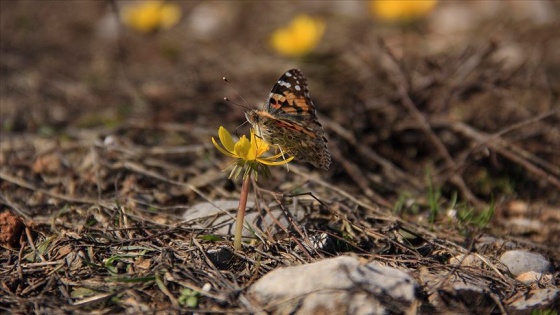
(62, 60)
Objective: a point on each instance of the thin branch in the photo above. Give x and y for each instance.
(400, 83)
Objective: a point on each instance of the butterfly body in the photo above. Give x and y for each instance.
(290, 122)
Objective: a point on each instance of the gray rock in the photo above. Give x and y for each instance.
(335, 286)
(206, 209)
(524, 225)
(520, 261)
(220, 215)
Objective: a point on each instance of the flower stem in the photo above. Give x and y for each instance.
(241, 211)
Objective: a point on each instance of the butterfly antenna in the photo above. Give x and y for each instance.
(246, 106)
(237, 129)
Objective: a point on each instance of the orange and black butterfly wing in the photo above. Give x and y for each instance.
(295, 125)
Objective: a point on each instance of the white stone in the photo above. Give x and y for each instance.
(207, 209)
(222, 215)
(335, 286)
(520, 261)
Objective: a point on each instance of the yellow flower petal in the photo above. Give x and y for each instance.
(252, 153)
(225, 138)
(170, 15)
(149, 16)
(241, 148)
(300, 37)
(221, 149)
(275, 163)
(275, 157)
(260, 145)
(247, 154)
(403, 10)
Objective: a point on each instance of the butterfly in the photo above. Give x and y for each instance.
(289, 121)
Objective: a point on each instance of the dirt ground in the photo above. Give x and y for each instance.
(445, 127)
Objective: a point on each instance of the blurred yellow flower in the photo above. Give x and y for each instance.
(150, 16)
(299, 37)
(247, 154)
(401, 10)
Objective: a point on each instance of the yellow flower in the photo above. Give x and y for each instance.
(150, 16)
(299, 37)
(401, 10)
(248, 154)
